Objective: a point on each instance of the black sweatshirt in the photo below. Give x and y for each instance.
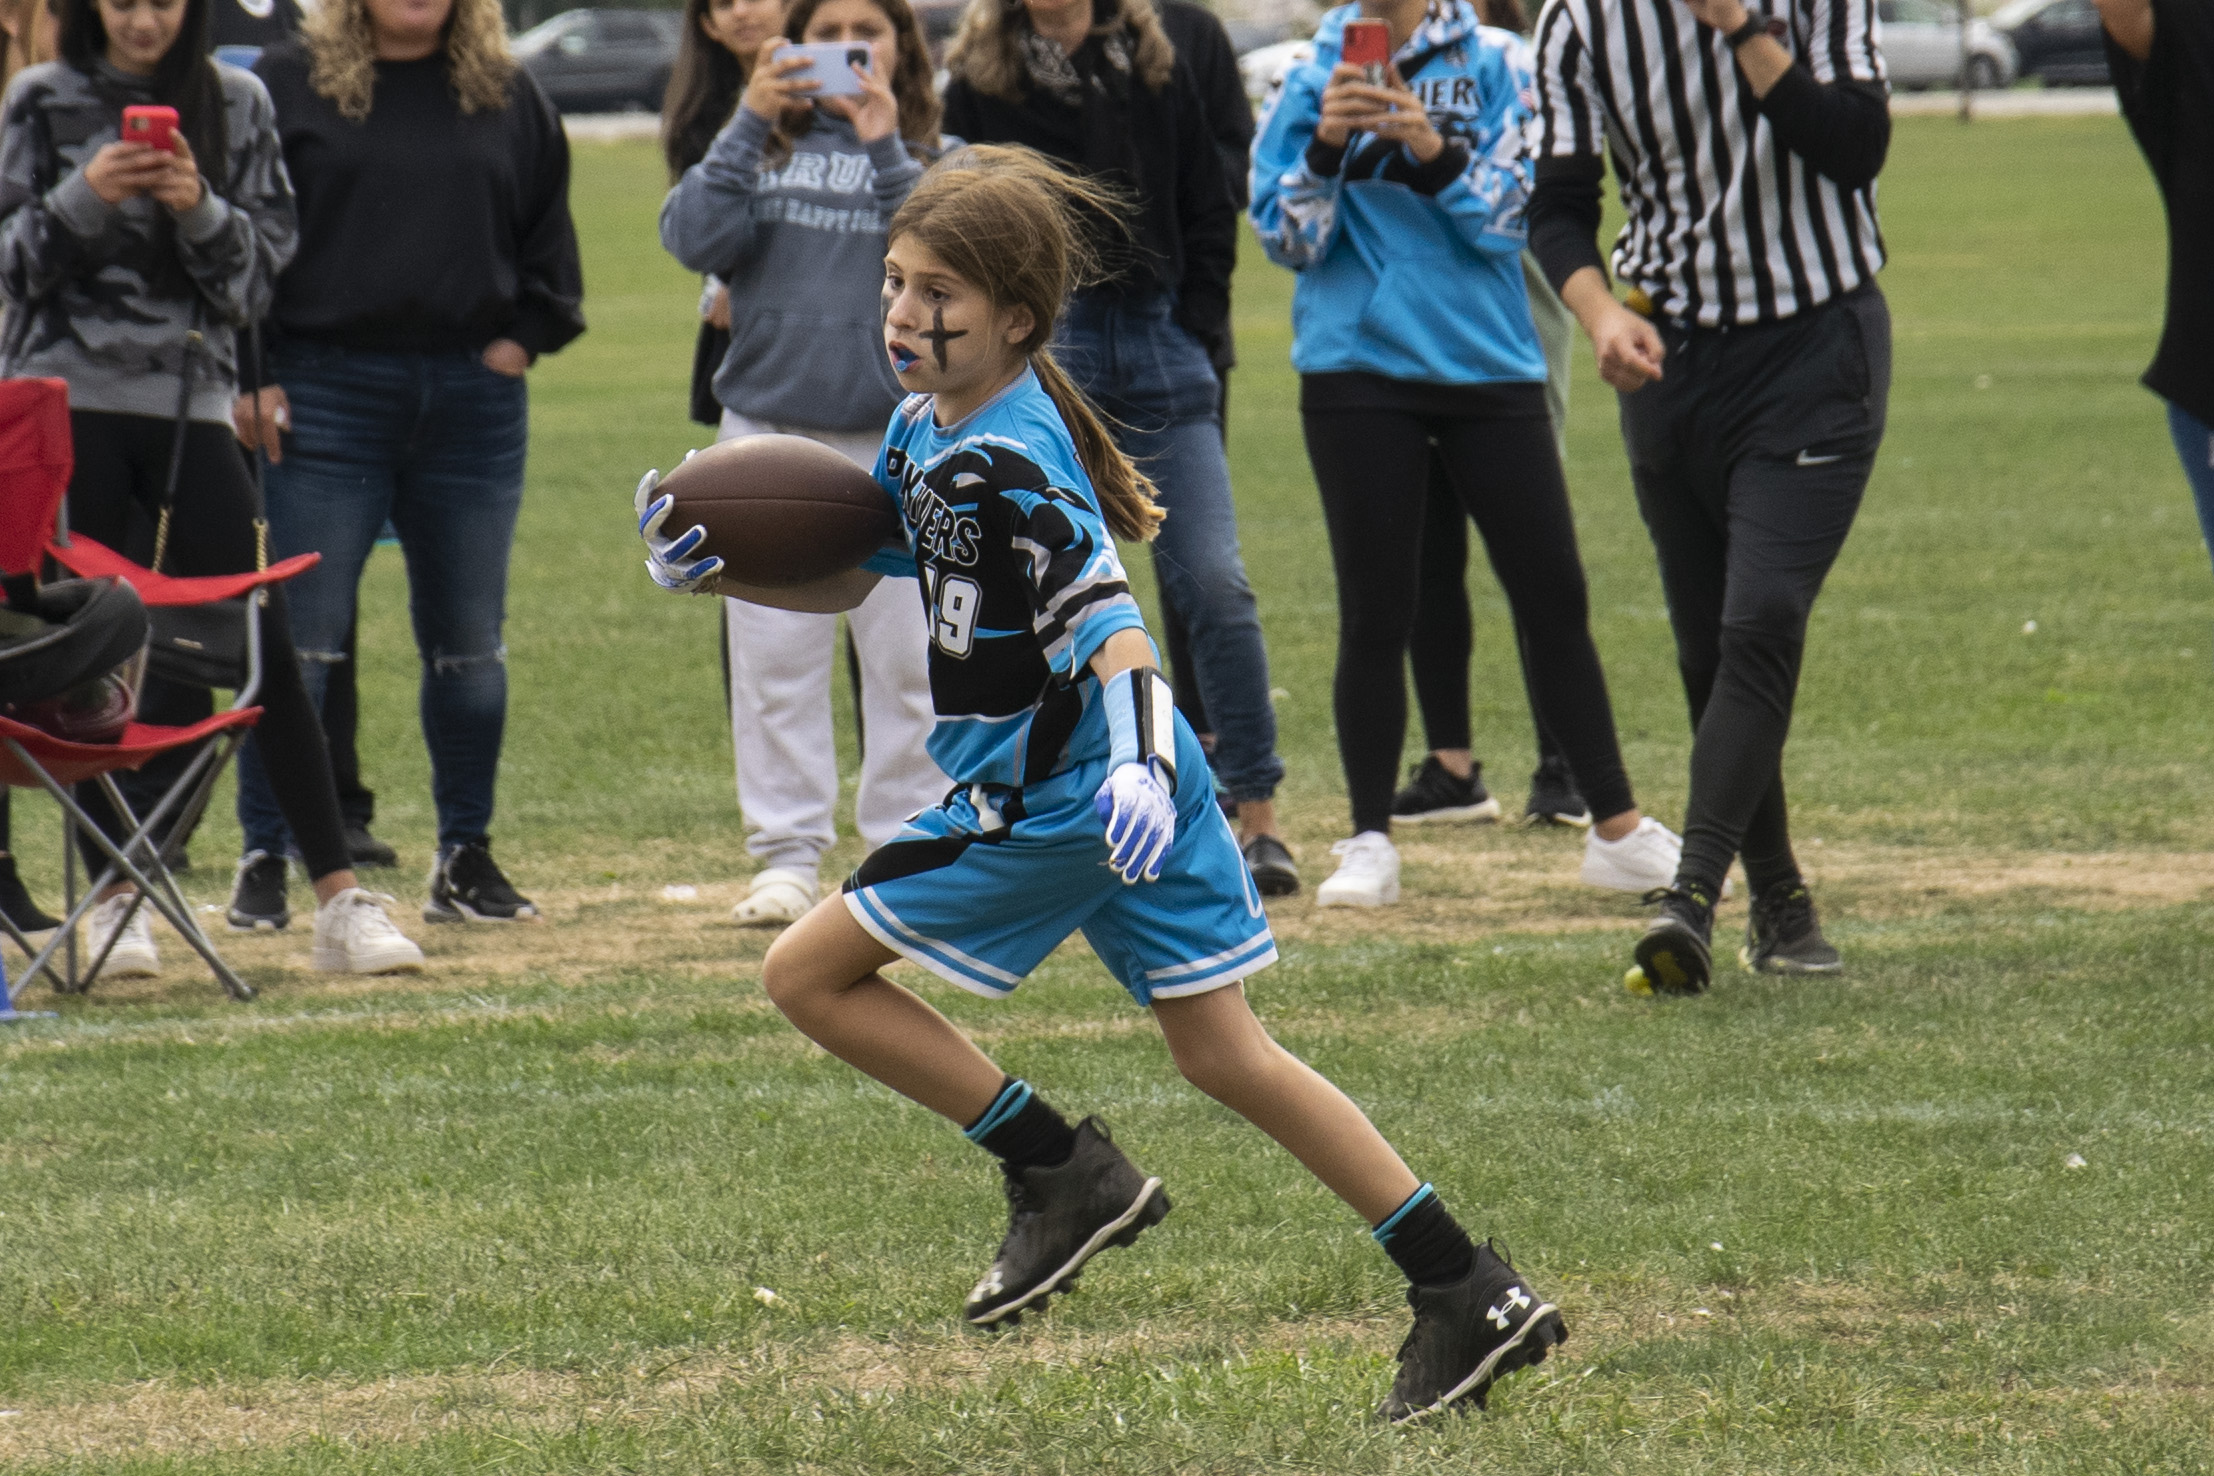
(1187, 229)
(1203, 45)
(2169, 101)
(1842, 129)
(424, 229)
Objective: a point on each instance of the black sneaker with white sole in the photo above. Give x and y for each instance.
(1675, 956)
(467, 885)
(16, 903)
(1433, 794)
(1059, 1218)
(1554, 797)
(1275, 874)
(1784, 936)
(257, 895)
(1468, 1336)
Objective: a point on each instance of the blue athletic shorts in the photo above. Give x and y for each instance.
(982, 888)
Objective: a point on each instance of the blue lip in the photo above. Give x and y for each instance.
(903, 361)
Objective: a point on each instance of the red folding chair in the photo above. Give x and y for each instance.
(36, 459)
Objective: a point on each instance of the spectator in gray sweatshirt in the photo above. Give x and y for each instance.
(789, 209)
(127, 270)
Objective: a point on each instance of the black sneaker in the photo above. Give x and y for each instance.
(1275, 874)
(15, 901)
(1554, 798)
(1059, 1218)
(1673, 957)
(1783, 936)
(1433, 794)
(1469, 1335)
(366, 851)
(467, 885)
(257, 895)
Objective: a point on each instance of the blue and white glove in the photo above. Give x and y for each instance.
(1137, 804)
(669, 560)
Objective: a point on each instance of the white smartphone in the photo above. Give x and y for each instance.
(831, 64)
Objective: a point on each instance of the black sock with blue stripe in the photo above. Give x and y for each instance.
(1022, 1130)
(1425, 1241)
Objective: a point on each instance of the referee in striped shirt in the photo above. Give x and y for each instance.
(1753, 361)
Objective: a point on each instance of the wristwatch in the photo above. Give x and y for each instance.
(1756, 24)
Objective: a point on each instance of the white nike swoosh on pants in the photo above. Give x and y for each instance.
(1806, 459)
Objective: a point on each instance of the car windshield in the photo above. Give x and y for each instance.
(542, 36)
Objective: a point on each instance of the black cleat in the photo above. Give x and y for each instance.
(467, 885)
(365, 850)
(1275, 874)
(1061, 1217)
(15, 901)
(1783, 936)
(1433, 794)
(1468, 1336)
(257, 895)
(1673, 957)
(1554, 798)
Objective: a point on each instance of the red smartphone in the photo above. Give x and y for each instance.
(1367, 46)
(151, 124)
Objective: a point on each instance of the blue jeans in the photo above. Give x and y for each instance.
(1154, 382)
(2194, 440)
(434, 443)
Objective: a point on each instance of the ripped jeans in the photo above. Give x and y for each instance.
(435, 443)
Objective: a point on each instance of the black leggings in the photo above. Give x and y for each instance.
(1372, 468)
(1444, 637)
(115, 497)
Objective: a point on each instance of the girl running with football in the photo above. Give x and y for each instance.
(1084, 800)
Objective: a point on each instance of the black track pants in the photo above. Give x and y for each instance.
(1444, 637)
(1750, 458)
(115, 497)
(1372, 468)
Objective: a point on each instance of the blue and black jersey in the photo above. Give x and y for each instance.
(1020, 582)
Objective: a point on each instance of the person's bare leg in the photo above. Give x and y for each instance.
(1227, 1053)
(822, 973)
(1614, 827)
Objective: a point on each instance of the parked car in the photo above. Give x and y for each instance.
(1921, 47)
(602, 61)
(2057, 40)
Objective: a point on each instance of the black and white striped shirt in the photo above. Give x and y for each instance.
(1726, 224)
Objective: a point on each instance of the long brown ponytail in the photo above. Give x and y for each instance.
(1007, 220)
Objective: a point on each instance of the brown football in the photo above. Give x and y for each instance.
(780, 510)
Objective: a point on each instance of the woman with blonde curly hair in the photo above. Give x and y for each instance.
(437, 261)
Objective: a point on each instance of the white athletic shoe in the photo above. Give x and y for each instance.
(133, 956)
(353, 935)
(778, 895)
(1367, 874)
(1640, 862)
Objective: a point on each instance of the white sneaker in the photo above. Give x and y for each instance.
(353, 935)
(133, 956)
(1640, 862)
(1367, 874)
(778, 895)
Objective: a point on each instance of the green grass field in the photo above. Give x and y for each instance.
(576, 1200)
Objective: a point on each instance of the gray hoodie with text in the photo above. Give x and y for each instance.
(801, 246)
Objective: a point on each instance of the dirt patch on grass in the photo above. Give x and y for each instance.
(1461, 884)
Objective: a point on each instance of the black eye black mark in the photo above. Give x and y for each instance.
(940, 336)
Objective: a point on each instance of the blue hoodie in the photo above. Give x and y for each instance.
(1407, 270)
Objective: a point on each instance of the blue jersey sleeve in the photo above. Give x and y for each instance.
(895, 560)
(1079, 593)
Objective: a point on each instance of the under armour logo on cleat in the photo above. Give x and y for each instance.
(1516, 1300)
